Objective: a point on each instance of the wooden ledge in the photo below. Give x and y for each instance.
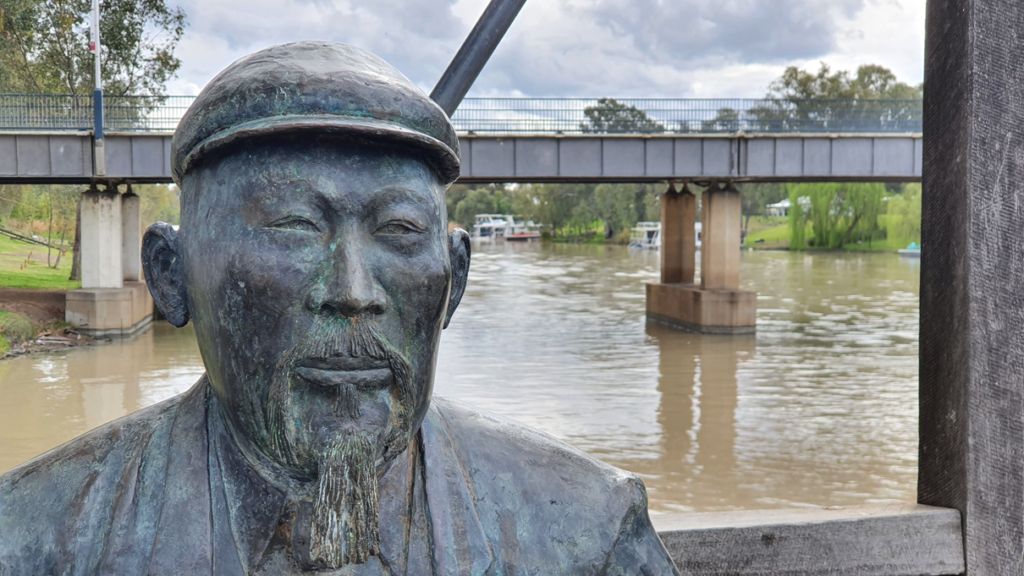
(903, 539)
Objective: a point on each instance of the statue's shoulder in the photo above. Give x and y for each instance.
(565, 507)
(89, 452)
(495, 446)
(59, 504)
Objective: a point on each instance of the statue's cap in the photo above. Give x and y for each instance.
(318, 89)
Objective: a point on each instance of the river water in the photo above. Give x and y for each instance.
(818, 409)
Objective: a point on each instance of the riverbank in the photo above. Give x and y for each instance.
(779, 238)
(33, 321)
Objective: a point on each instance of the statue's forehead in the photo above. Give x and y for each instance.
(350, 180)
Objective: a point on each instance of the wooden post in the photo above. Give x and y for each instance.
(972, 277)
(671, 236)
(720, 245)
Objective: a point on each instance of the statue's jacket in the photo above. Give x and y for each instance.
(134, 497)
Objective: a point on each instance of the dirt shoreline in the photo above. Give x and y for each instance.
(45, 310)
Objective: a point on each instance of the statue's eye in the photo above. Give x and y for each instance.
(398, 227)
(296, 223)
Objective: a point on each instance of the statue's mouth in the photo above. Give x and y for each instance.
(360, 372)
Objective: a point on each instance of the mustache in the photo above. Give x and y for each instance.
(343, 338)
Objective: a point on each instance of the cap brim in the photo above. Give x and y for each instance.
(438, 154)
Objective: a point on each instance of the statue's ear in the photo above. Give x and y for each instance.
(165, 275)
(459, 247)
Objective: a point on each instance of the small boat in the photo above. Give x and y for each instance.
(647, 235)
(523, 236)
(503, 226)
(912, 251)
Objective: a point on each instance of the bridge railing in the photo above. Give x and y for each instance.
(521, 115)
(677, 115)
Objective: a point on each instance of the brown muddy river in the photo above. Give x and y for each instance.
(818, 409)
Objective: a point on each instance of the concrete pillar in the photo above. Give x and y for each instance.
(689, 209)
(678, 237)
(671, 236)
(720, 247)
(101, 240)
(131, 237)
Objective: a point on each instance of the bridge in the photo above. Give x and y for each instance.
(49, 139)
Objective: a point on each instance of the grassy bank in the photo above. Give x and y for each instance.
(14, 328)
(778, 238)
(23, 265)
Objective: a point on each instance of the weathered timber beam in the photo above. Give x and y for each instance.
(972, 277)
(891, 540)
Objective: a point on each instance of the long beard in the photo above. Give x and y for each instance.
(346, 517)
(346, 514)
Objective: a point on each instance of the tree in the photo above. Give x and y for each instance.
(797, 218)
(614, 205)
(839, 101)
(610, 115)
(871, 81)
(903, 217)
(835, 211)
(45, 50)
(46, 46)
(726, 120)
(478, 201)
(755, 199)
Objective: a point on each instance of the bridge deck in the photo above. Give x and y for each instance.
(66, 158)
(48, 139)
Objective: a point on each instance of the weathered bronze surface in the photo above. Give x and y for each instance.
(315, 263)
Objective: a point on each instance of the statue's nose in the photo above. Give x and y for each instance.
(349, 289)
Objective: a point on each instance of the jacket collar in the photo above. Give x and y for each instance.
(186, 538)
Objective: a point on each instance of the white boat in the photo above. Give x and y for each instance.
(503, 226)
(647, 235)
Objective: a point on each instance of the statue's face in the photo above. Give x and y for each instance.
(317, 277)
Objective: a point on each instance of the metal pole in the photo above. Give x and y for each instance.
(475, 51)
(100, 168)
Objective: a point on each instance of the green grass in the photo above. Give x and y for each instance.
(778, 238)
(18, 270)
(15, 327)
(774, 238)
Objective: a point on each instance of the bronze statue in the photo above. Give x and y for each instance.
(315, 263)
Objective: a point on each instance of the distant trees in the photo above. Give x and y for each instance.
(903, 217)
(44, 49)
(756, 197)
(839, 101)
(837, 212)
(869, 82)
(563, 209)
(611, 116)
(480, 201)
(44, 46)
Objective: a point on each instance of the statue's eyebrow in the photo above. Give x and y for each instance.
(390, 194)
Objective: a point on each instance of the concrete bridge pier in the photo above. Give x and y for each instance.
(114, 299)
(716, 305)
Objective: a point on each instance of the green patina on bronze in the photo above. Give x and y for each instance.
(315, 263)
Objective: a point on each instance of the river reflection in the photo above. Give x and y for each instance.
(818, 409)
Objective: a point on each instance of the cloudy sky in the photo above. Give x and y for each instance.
(624, 48)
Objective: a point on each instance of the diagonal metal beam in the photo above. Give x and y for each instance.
(474, 53)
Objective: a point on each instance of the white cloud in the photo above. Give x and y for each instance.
(635, 48)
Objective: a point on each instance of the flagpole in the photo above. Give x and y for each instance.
(98, 148)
